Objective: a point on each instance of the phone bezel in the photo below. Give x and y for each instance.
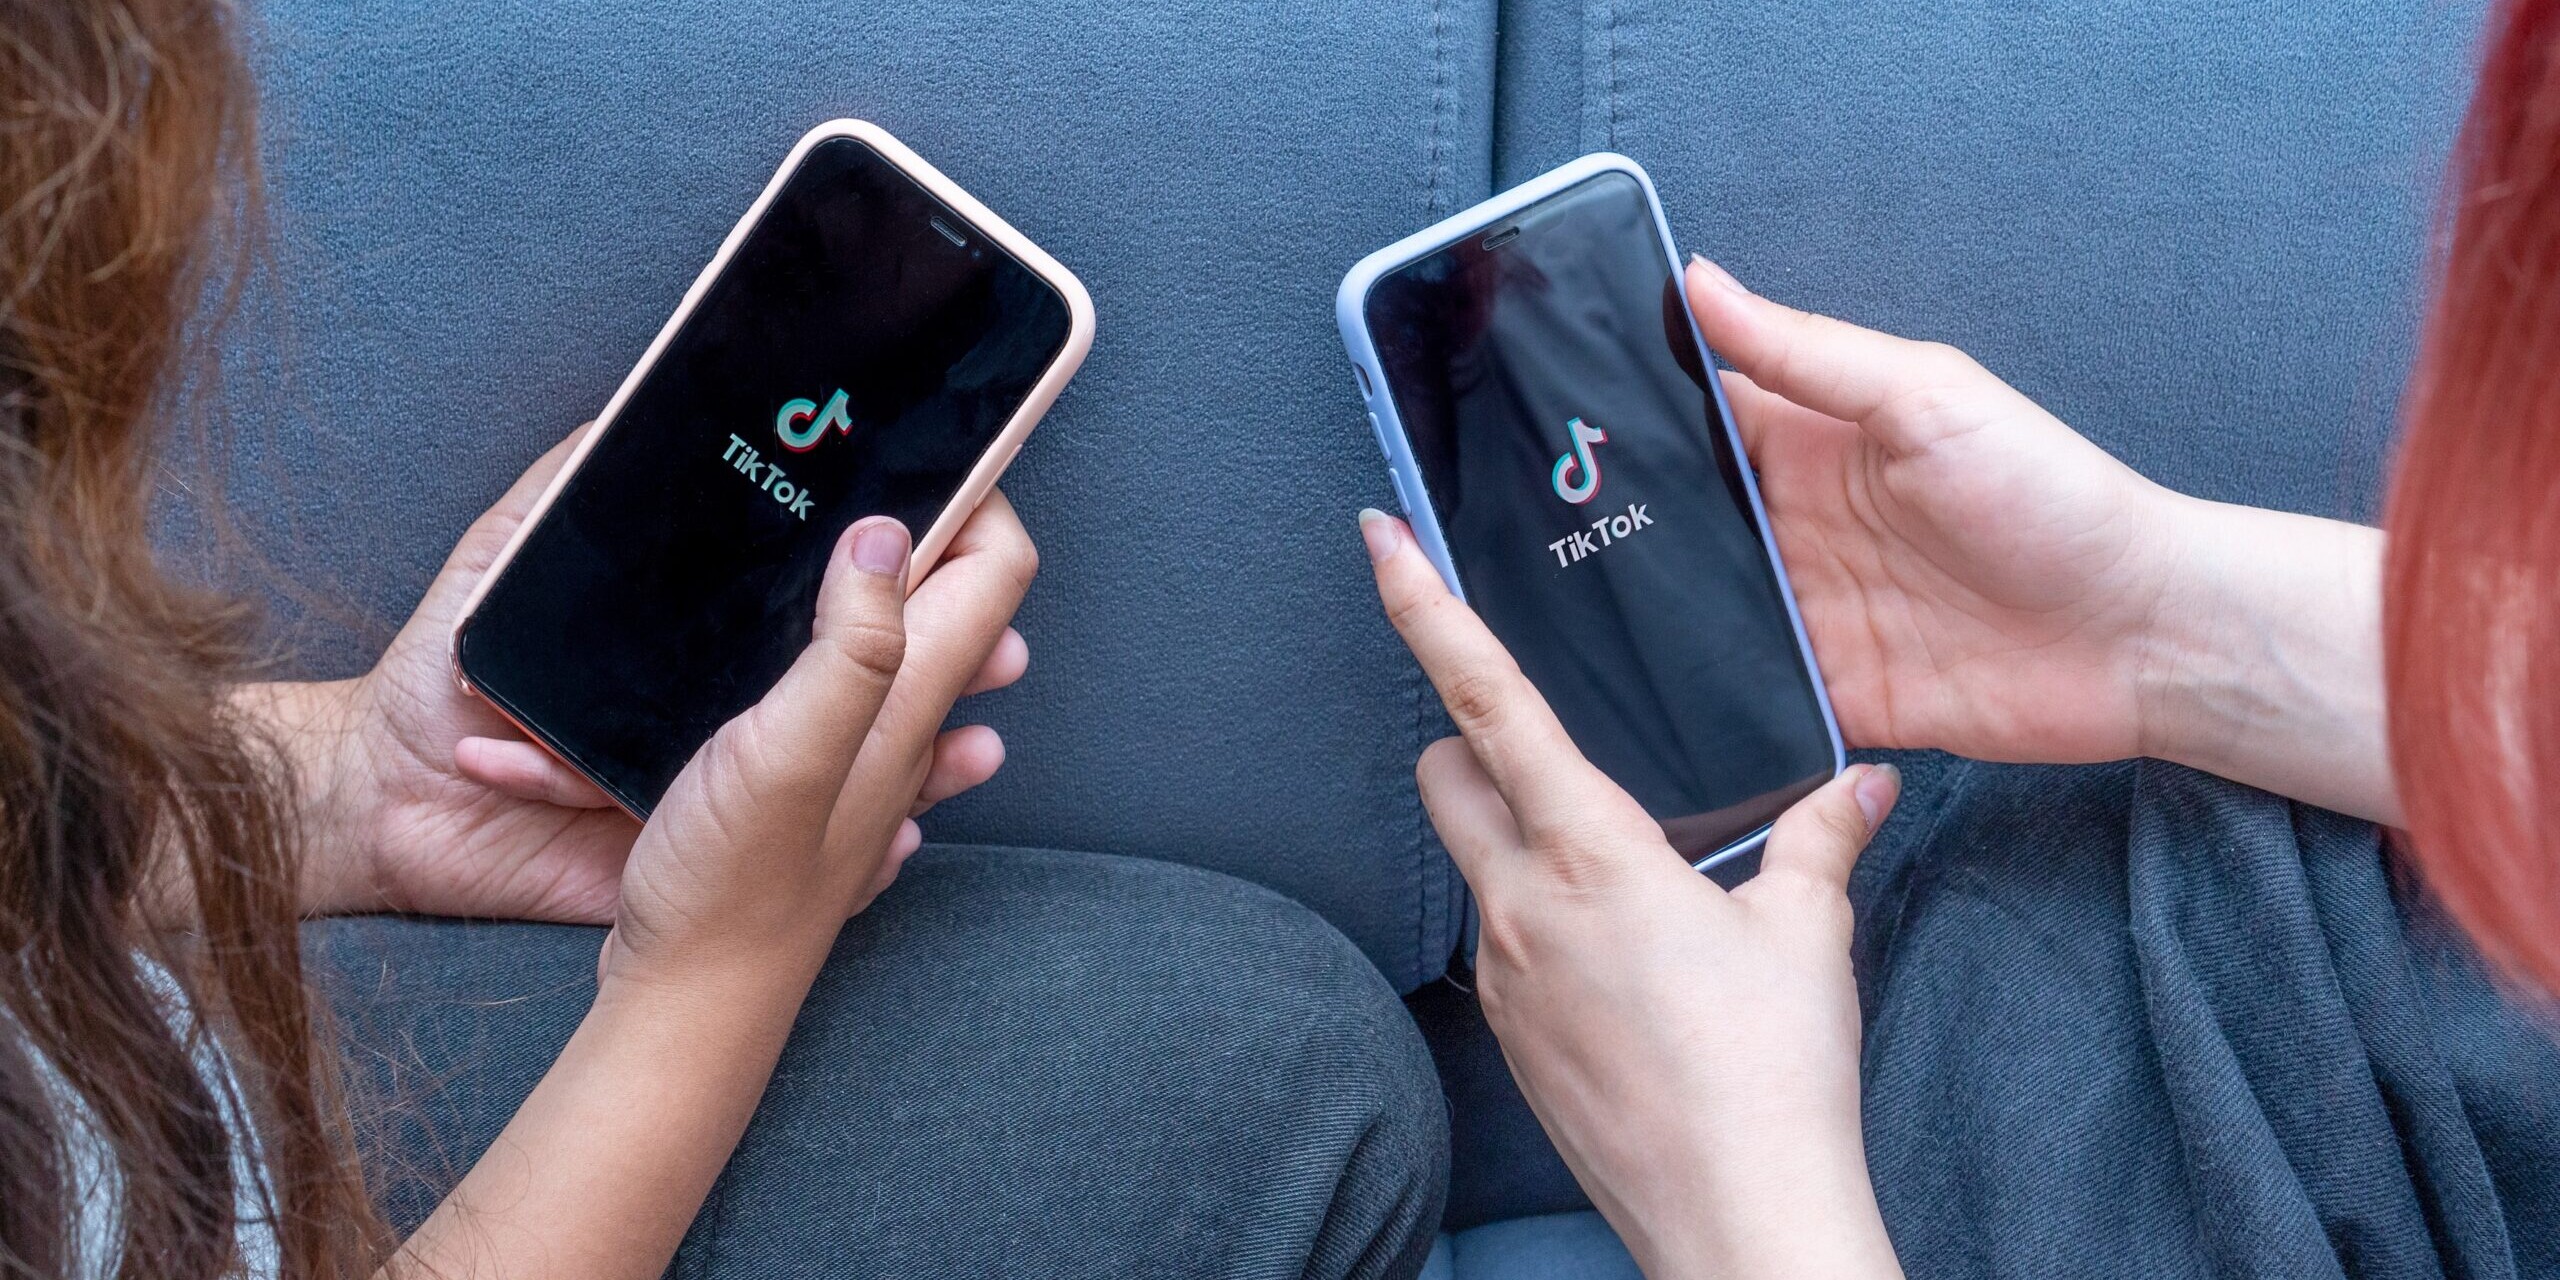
(1351, 316)
(981, 221)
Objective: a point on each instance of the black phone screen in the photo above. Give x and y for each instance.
(857, 356)
(1593, 506)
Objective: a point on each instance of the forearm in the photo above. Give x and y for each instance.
(2266, 664)
(607, 1163)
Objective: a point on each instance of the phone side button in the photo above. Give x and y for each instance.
(1404, 495)
(1378, 432)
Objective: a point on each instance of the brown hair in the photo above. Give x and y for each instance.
(145, 833)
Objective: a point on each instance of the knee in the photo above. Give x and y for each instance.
(1217, 1025)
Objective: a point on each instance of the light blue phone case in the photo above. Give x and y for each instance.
(1350, 307)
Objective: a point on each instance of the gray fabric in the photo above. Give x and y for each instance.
(483, 210)
(2132, 1020)
(1018, 1063)
(2192, 228)
(1500, 1162)
(2138, 1020)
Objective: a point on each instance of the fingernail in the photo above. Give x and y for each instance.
(1876, 790)
(1717, 275)
(880, 546)
(1378, 529)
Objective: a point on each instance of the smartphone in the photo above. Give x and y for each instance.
(1554, 428)
(869, 340)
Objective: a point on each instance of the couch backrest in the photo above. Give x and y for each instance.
(2193, 228)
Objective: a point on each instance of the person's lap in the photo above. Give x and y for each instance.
(2137, 1013)
(1018, 1062)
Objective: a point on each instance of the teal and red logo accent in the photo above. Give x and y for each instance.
(802, 423)
(1579, 463)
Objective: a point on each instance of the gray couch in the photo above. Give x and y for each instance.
(2192, 228)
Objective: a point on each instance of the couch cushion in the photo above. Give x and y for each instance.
(1561, 1246)
(2190, 228)
(482, 211)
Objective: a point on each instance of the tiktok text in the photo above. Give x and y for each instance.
(1572, 547)
(766, 476)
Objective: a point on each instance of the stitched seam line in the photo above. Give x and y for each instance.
(1423, 878)
(1612, 142)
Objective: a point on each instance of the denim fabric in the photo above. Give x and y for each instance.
(481, 211)
(1561, 1246)
(1018, 1063)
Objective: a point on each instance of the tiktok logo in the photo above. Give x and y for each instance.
(801, 439)
(1586, 485)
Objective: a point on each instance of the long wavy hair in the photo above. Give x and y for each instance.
(2471, 588)
(153, 1013)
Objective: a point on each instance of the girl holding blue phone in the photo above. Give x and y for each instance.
(1980, 579)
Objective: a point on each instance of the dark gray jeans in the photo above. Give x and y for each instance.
(1019, 1063)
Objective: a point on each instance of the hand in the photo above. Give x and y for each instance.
(1975, 576)
(1978, 578)
(425, 799)
(1694, 1053)
(777, 831)
(773, 834)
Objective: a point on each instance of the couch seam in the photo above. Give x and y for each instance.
(1423, 878)
(1612, 32)
(1439, 104)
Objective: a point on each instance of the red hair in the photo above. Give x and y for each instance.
(2471, 585)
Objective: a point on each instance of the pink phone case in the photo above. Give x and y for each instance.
(982, 220)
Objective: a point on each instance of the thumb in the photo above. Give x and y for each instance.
(791, 752)
(1820, 838)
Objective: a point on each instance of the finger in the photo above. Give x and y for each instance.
(1505, 721)
(962, 758)
(955, 622)
(1826, 365)
(793, 751)
(526, 772)
(1004, 665)
(1820, 838)
(902, 846)
(994, 529)
(1468, 811)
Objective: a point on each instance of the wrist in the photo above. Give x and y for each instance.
(2176, 655)
(2263, 661)
(316, 729)
(747, 976)
(1779, 1193)
(1824, 1227)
